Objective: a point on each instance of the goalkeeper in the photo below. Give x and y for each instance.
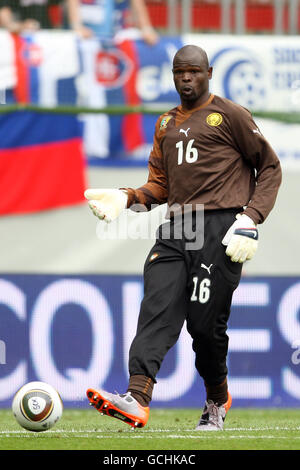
(206, 151)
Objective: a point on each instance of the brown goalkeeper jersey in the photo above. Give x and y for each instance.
(213, 155)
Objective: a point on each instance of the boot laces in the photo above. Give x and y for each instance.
(212, 414)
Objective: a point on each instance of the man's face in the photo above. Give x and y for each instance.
(191, 77)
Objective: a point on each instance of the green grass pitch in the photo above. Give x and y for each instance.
(167, 429)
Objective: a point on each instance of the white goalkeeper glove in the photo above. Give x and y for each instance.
(106, 204)
(241, 239)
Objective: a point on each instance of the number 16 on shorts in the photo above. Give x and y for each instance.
(201, 290)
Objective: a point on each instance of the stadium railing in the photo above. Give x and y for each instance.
(226, 16)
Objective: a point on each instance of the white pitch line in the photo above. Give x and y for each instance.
(148, 431)
(184, 437)
(163, 433)
(145, 431)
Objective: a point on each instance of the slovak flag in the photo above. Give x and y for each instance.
(42, 165)
(46, 67)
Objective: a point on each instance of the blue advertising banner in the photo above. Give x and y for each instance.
(75, 332)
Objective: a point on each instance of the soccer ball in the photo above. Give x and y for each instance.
(37, 406)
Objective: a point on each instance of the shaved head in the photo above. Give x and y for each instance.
(191, 74)
(191, 55)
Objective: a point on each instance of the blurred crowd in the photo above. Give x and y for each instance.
(102, 18)
(88, 18)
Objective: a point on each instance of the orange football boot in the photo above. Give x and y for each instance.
(123, 407)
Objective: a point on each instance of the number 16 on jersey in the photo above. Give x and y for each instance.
(191, 153)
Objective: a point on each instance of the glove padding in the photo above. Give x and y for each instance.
(241, 239)
(106, 204)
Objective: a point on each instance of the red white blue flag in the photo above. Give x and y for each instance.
(42, 165)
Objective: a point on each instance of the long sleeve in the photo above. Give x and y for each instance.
(155, 191)
(264, 162)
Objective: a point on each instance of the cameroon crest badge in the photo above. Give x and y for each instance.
(164, 122)
(214, 119)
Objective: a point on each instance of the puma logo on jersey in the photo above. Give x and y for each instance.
(185, 132)
(206, 267)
